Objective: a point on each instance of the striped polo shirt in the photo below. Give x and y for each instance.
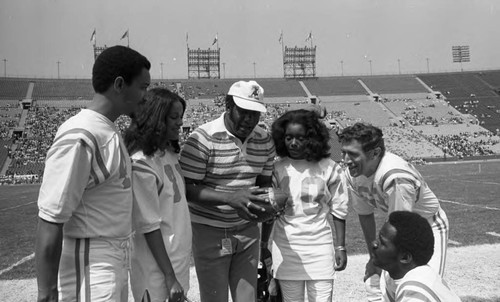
(222, 162)
(87, 179)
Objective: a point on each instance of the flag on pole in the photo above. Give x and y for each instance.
(92, 37)
(281, 37)
(125, 35)
(310, 36)
(215, 39)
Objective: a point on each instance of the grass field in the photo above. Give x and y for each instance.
(470, 194)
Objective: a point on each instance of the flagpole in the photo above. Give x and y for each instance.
(282, 47)
(95, 38)
(311, 36)
(218, 53)
(128, 38)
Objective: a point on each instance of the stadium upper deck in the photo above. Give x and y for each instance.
(474, 93)
(405, 106)
(457, 84)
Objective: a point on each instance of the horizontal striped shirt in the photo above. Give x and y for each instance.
(222, 162)
(87, 179)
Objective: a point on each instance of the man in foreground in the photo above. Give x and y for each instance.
(85, 202)
(223, 161)
(380, 179)
(404, 247)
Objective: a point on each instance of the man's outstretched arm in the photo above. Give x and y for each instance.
(47, 256)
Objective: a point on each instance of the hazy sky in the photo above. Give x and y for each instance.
(35, 34)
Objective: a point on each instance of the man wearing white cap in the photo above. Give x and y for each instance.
(223, 162)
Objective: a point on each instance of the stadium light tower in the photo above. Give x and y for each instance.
(161, 66)
(4, 68)
(58, 62)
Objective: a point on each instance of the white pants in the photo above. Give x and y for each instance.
(317, 290)
(94, 269)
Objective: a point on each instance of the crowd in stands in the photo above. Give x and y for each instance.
(42, 123)
(462, 145)
(29, 152)
(9, 118)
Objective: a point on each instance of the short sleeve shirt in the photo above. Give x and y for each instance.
(87, 179)
(222, 162)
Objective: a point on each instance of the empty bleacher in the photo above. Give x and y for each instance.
(457, 85)
(492, 78)
(393, 84)
(334, 86)
(63, 89)
(13, 88)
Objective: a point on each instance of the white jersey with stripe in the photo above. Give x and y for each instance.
(86, 181)
(159, 203)
(423, 284)
(303, 237)
(395, 186)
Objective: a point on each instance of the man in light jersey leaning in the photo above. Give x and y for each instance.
(383, 180)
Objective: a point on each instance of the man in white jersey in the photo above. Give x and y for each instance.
(383, 180)
(403, 249)
(85, 201)
(222, 162)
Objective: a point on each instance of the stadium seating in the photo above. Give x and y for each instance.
(13, 88)
(393, 84)
(67, 89)
(470, 93)
(334, 86)
(491, 78)
(457, 85)
(356, 109)
(416, 124)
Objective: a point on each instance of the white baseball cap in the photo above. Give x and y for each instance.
(248, 95)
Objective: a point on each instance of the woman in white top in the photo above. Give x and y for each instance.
(162, 242)
(304, 257)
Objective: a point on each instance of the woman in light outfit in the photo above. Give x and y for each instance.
(162, 243)
(304, 256)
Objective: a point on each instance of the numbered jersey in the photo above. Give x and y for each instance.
(303, 238)
(87, 183)
(159, 203)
